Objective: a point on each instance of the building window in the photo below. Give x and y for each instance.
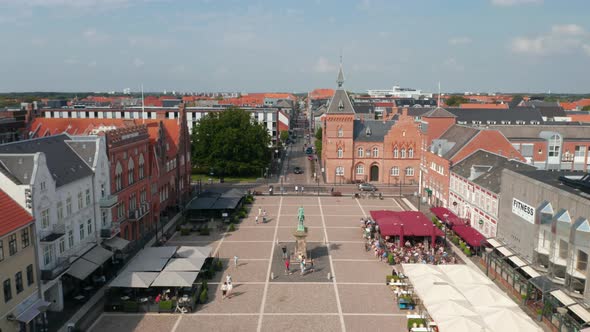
(340, 132)
(25, 238)
(12, 244)
(104, 218)
(30, 276)
(47, 255)
(81, 232)
(70, 239)
(80, 201)
(60, 211)
(403, 153)
(395, 171)
(410, 153)
(563, 248)
(43, 186)
(118, 177)
(18, 281)
(7, 290)
(45, 218)
(62, 245)
(360, 169)
(554, 144)
(410, 171)
(375, 152)
(580, 151)
(360, 152)
(1, 250)
(339, 171)
(69, 206)
(582, 262)
(142, 166)
(102, 190)
(89, 226)
(340, 152)
(87, 197)
(130, 172)
(395, 153)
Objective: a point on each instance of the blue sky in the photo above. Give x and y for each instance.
(224, 45)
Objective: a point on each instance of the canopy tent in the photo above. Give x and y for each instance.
(517, 261)
(579, 311)
(469, 235)
(194, 252)
(29, 313)
(505, 251)
(129, 279)
(116, 243)
(98, 255)
(157, 252)
(146, 264)
(451, 308)
(82, 268)
(421, 269)
(494, 243)
(530, 272)
(508, 319)
(175, 279)
(463, 324)
(405, 223)
(450, 219)
(562, 297)
(432, 293)
(464, 274)
(485, 295)
(185, 264)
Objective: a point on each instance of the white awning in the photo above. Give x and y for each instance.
(530, 271)
(185, 264)
(98, 255)
(134, 279)
(82, 268)
(33, 311)
(146, 264)
(563, 298)
(505, 251)
(175, 279)
(194, 252)
(116, 243)
(517, 261)
(157, 252)
(580, 312)
(494, 243)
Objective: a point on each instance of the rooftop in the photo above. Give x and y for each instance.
(551, 178)
(14, 216)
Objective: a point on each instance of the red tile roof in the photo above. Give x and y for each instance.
(13, 215)
(171, 132)
(54, 126)
(321, 94)
(488, 106)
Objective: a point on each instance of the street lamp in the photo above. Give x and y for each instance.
(488, 260)
(446, 216)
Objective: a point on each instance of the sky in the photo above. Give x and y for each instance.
(294, 46)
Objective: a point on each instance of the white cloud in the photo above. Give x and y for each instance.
(561, 39)
(509, 3)
(459, 40)
(137, 62)
(324, 66)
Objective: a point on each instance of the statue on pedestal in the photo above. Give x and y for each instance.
(300, 218)
(300, 234)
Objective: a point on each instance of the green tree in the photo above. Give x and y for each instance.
(284, 135)
(455, 100)
(318, 142)
(586, 108)
(230, 143)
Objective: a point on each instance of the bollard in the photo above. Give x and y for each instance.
(272, 276)
(329, 276)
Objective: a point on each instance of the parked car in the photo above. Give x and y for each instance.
(309, 150)
(367, 187)
(297, 170)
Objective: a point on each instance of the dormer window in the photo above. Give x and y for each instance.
(368, 131)
(340, 106)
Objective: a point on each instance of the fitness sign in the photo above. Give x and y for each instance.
(523, 210)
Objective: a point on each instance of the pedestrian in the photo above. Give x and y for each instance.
(296, 190)
(259, 211)
(257, 219)
(332, 190)
(311, 265)
(228, 279)
(264, 213)
(302, 266)
(224, 290)
(287, 265)
(302, 189)
(230, 288)
(236, 262)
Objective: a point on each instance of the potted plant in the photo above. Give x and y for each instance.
(539, 314)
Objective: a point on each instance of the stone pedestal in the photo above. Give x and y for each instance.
(300, 242)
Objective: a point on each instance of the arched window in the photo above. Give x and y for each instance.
(410, 171)
(403, 153)
(360, 169)
(410, 153)
(130, 171)
(395, 171)
(340, 132)
(360, 152)
(141, 166)
(340, 152)
(395, 153)
(375, 152)
(339, 171)
(118, 176)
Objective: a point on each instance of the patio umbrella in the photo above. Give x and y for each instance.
(463, 324)
(507, 319)
(401, 236)
(485, 295)
(442, 310)
(463, 274)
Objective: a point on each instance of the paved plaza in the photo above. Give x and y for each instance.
(354, 299)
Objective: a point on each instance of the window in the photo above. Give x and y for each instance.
(70, 239)
(81, 232)
(45, 218)
(69, 206)
(410, 153)
(47, 255)
(62, 245)
(563, 248)
(395, 171)
(340, 152)
(360, 152)
(25, 238)
(130, 172)
(142, 165)
(12, 244)
(1, 250)
(403, 153)
(410, 171)
(580, 151)
(89, 226)
(87, 197)
(43, 186)
(582, 262)
(395, 155)
(554, 144)
(60, 211)
(104, 218)
(375, 152)
(143, 194)
(80, 201)
(102, 190)
(30, 276)
(118, 177)
(18, 281)
(339, 171)
(7, 290)
(360, 169)
(340, 132)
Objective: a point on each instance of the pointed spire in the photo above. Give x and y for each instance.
(340, 79)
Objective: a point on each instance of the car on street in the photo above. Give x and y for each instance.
(309, 150)
(367, 187)
(297, 170)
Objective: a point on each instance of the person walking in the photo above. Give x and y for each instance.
(228, 279)
(259, 211)
(236, 262)
(256, 219)
(287, 267)
(302, 189)
(311, 269)
(296, 190)
(230, 288)
(224, 290)
(302, 266)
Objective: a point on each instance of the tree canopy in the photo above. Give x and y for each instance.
(230, 143)
(455, 100)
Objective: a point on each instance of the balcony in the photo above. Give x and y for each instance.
(111, 231)
(108, 201)
(53, 234)
(62, 264)
(140, 212)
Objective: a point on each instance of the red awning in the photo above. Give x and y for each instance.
(469, 235)
(404, 223)
(451, 218)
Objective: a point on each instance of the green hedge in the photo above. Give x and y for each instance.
(204, 296)
(418, 321)
(130, 306)
(231, 228)
(165, 306)
(389, 277)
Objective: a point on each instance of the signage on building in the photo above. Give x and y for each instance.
(523, 210)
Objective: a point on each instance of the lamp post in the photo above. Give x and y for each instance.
(488, 262)
(446, 216)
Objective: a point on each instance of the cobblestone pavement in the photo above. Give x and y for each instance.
(354, 299)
